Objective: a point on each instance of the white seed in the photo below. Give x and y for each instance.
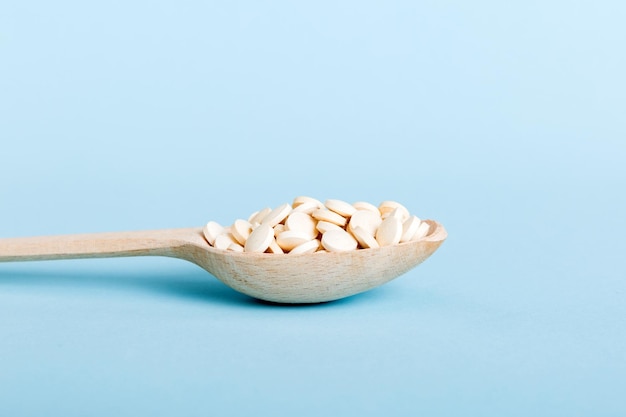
(211, 230)
(409, 228)
(258, 216)
(306, 247)
(338, 241)
(386, 207)
(259, 239)
(223, 241)
(389, 232)
(308, 207)
(274, 248)
(422, 231)
(241, 230)
(329, 216)
(340, 207)
(305, 199)
(364, 205)
(365, 239)
(301, 222)
(277, 215)
(323, 226)
(366, 219)
(235, 247)
(278, 229)
(289, 239)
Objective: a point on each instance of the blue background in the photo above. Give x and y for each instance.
(502, 120)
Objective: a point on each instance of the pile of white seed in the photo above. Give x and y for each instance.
(307, 225)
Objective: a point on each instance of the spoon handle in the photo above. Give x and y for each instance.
(96, 245)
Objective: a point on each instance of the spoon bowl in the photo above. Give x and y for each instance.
(282, 278)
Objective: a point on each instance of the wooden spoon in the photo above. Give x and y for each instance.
(282, 278)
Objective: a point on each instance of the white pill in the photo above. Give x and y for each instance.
(366, 219)
(274, 248)
(364, 237)
(397, 212)
(296, 227)
(211, 230)
(277, 215)
(260, 239)
(389, 232)
(329, 216)
(324, 227)
(386, 207)
(235, 247)
(305, 199)
(278, 229)
(422, 231)
(307, 247)
(338, 241)
(340, 207)
(289, 239)
(223, 241)
(409, 228)
(308, 207)
(302, 222)
(258, 216)
(364, 205)
(241, 230)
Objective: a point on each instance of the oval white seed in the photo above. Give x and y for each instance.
(340, 207)
(308, 207)
(223, 241)
(389, 232)
(235, 247)
(386, 207)
(211, 230)
(277, 215)
(278, 229)
(323, 226)
(289, 239)
(338, 241)
(258, 216)
(306, 199)
(302, 222)
(366, 219)
(409, 228)
(274, 248)
(365, 239)
(306, 247)
(422, 231)
(364, 205)
(260, 239)
(241, 230)
(329, 216)
(397, 212)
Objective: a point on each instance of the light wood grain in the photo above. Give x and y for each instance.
(284, 278)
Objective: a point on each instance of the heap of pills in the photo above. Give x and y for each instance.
(308, 225)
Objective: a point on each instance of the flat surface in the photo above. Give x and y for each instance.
(502, 120)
